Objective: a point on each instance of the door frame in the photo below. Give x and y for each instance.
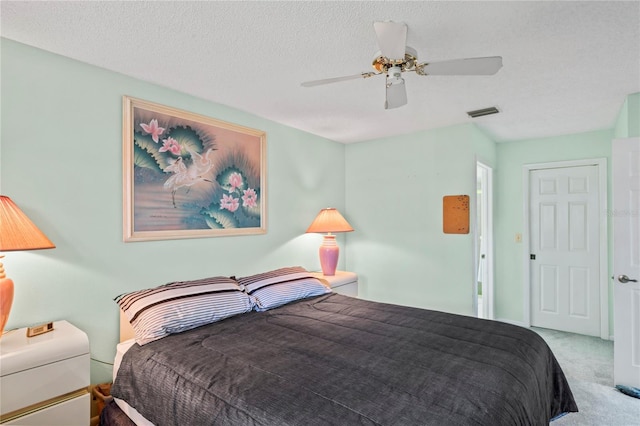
(601, 163)
(488, 286)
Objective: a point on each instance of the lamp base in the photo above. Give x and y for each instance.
(329, 253)
(6, 299)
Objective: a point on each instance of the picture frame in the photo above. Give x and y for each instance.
(186, 175)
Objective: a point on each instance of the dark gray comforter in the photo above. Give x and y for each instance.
(336, 360)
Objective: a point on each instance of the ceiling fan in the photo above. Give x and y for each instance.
(395, 57)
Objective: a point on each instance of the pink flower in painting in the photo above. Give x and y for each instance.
(229, 203)
(249, 198)
(153, 129)
(171, 145)
(235, 181)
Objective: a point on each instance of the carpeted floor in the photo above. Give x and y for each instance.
(588, 364)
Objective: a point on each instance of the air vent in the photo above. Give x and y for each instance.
(480, 112)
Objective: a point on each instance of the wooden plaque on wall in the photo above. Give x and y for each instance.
(455, 214)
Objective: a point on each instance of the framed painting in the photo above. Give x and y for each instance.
(190, 176)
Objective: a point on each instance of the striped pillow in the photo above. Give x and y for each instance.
(278, 287)
(175, 307)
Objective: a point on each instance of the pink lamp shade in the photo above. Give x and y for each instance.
(17, 233)
(329, 220)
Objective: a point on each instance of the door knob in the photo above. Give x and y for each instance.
(625, 279)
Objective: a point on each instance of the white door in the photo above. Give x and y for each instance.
(564, 249)
(626, 261)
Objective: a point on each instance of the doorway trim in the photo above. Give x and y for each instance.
(601, 164)
(488, 287)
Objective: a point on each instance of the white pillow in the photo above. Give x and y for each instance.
(179, 306)
(280, 286)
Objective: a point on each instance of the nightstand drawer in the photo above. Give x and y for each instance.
(349, 289)
(72, 412)
(45, 379)
(32, 386)
(343, 282)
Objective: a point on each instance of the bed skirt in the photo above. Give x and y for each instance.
(112, 415)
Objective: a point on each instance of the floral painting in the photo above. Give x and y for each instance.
(189, 176)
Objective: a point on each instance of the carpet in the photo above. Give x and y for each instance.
(588, 364)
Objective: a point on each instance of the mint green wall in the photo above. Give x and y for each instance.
(484, 148)
(628, 123)
(508, 220)
(61, 163)
(394, 190)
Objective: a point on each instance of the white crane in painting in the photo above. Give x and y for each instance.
(187, 176)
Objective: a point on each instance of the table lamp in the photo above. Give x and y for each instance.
(17, 233)
(329, 220)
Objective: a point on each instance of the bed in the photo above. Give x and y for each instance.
(330, 359)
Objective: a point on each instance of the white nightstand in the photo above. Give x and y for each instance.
(44, 379)
(342, 282)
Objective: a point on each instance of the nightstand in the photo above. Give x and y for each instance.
(44, 379)
(342, 282)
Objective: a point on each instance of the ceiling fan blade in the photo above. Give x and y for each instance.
(392, 39)
(469, 66)
(337, 79)
(396, 94)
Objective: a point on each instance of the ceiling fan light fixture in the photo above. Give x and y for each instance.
(482, 112)
(396, 93)
(381, 63)
(394, 74)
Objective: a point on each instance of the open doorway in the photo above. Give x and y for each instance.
(483, 291)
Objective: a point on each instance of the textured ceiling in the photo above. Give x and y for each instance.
(568, 66)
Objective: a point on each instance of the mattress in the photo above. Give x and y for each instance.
(339, 360)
